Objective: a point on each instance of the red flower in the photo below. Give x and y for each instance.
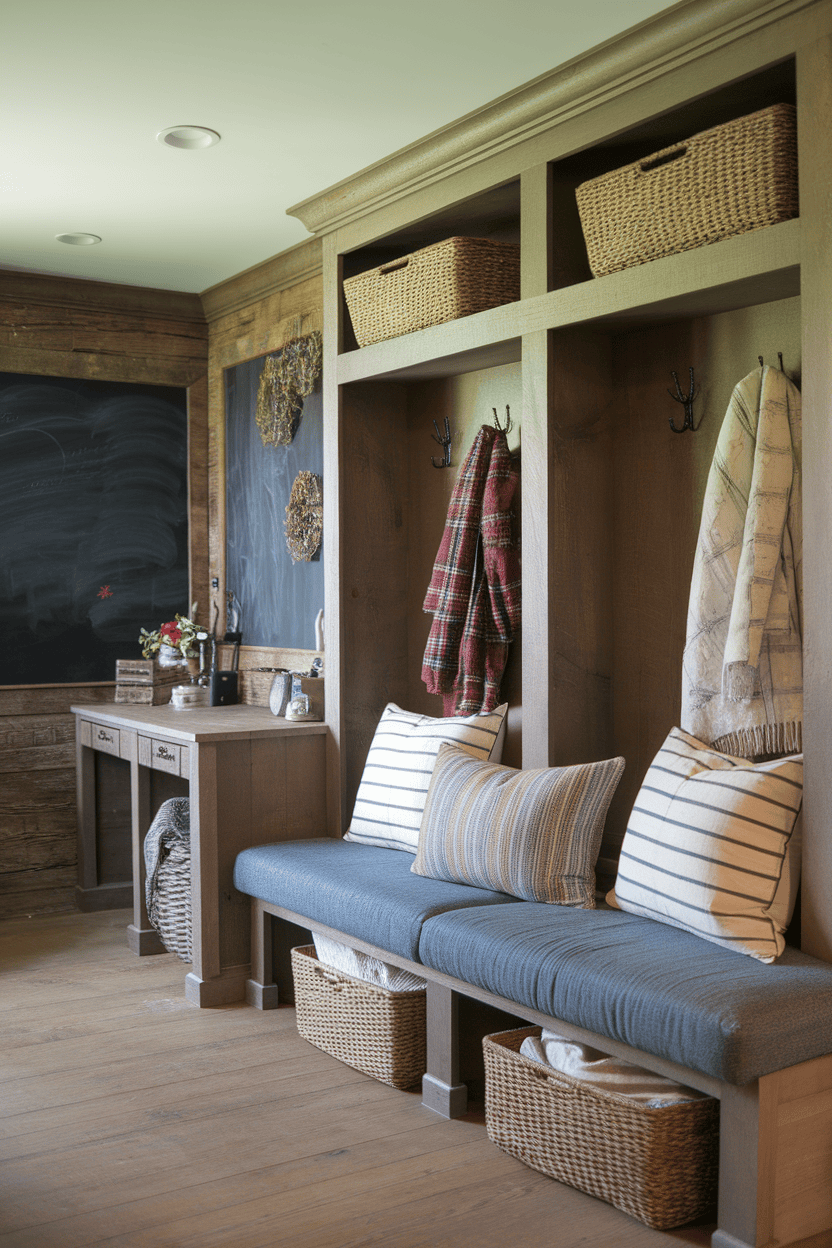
(171, 633)
(104, 592)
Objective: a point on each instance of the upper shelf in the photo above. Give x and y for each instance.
(758, 267)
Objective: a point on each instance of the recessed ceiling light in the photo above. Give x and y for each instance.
(78, 240)
(188, 136)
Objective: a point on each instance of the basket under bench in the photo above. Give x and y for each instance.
(774, 1132)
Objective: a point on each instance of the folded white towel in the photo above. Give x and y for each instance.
(362, 966)
(611, 1074)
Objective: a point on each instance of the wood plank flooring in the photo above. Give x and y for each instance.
(131, 1119)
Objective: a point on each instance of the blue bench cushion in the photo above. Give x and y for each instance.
(360, 890)
(652, 986)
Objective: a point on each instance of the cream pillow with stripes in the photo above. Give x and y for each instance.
(712, 846)
(534, 834)
(394, 785)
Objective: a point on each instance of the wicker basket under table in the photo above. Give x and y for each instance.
(372, 1029)
(454, 278)
(168, 883)
(659, 1165)
(736, 177)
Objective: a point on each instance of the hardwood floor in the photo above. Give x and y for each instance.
(131, 1119)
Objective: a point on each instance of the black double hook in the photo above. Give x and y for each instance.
(687, 402)
(445, 443)
(507, 429)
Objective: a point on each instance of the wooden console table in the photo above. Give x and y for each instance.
(252, 778)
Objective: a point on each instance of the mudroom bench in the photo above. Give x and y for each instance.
(758, 1037)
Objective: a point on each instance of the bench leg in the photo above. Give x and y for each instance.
(775, 1164)
(261, 989)
(441, 1089)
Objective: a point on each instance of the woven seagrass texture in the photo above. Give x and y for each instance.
(737, 177)
(659, 1165)
(167, 854)
(378, 1032)
(439, 283)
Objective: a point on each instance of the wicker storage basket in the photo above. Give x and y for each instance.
(378, 1032)
(659, 1165)
(439, 283)
(167, 854)
(736, 177)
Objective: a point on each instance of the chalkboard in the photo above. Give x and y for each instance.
(279, 599)
(93, 523)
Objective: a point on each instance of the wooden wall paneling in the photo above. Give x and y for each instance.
(468, 400)
(583, 411)
(60, 327)
(113, 842)
(656, 508)
(814, 82)
(38, 797)
(659, 488)
(374, 509)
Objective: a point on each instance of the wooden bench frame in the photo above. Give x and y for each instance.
(775, 1135)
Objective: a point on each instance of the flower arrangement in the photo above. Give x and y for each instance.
(179, 633)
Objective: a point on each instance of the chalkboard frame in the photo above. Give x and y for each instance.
(96, 331)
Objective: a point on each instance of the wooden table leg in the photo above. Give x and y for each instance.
(142, 939)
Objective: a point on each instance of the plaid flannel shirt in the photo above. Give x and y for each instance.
(475, 591)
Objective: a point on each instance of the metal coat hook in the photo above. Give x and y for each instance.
(687, 402)
(779, 357)
(507, 428)
(445, 443)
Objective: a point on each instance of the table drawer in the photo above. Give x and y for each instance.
(105, 739)
(163, 756)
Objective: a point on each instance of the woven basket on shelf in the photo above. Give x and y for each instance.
(659, 1165)
(167, 855)
(378, 1032)
(439, 283)
(736, 177)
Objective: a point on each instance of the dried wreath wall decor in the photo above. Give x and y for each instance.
(288, 377)
(304, 517)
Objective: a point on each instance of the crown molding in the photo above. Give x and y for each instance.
(678, 35)
(288, 268)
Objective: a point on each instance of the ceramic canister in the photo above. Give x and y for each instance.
(280, 693)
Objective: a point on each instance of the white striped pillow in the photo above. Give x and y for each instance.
(394, 785)
(711, 846)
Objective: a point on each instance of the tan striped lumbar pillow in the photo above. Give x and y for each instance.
(533, 834)
(708, 846)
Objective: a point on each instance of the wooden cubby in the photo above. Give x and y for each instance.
(611, 497)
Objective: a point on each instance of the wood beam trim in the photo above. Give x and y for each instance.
(73, 292)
